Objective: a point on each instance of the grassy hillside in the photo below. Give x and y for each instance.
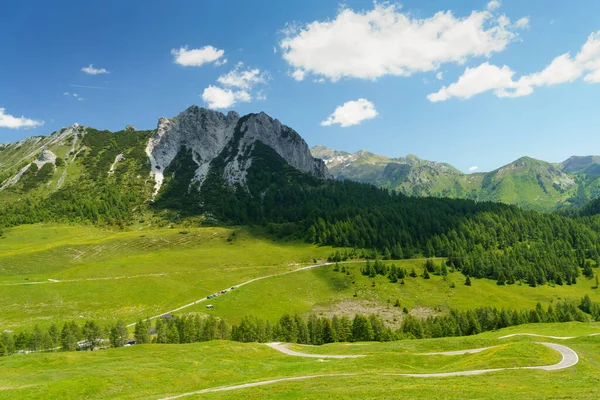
(57, 273)
(158, 371)
(107, 274)
(324, 291)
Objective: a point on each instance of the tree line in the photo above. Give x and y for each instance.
(289, 328)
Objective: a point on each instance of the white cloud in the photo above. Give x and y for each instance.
(563, 69)
(384, 41)
(492, 5)
(242, 78)
(439, 76)
(299, 75)
(216, 97)
(66, 94)
(473, 168)
(522, 23)
(475, 80)
(198, 57)
(219, 63)
(237, 86)
(10, 122)
(351, 113)
(94, 71)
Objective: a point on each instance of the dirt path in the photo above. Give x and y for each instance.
(458, 352)
(243, 284)
(569, 358)
(254, 384)
(108, 278)
(545, 336)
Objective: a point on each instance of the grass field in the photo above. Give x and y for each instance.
(106, 275)
(324, 291)
(157, 371)
(58, 273)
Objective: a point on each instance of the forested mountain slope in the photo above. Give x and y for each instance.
(212, 168)
(526, 182)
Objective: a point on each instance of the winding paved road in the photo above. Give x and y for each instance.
(282, 348)
(569, 359)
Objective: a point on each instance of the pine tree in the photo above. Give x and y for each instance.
(426, 274)
(141, 333)
(468, 281)
(501, 279)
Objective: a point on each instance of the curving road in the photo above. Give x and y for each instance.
(569, 359)
(282, 348)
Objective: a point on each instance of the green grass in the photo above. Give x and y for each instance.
(133, 274)
(325, 291)
(129, 275)
(156, 371)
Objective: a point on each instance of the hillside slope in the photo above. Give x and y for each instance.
(526, 182)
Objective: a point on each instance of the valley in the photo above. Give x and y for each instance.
(179, 255)
(526, 182)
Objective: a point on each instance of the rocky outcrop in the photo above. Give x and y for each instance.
(207, 133)
(46, 157)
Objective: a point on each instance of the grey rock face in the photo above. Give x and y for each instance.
(46, 157)
(206, 133)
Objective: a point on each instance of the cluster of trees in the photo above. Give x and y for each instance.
(315, 330)
(484, 319)
(320, 330)
(293, 329)
(71, 336)
(187, 329)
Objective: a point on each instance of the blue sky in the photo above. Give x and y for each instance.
(482, 86)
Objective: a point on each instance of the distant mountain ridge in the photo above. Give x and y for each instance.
(526, 182)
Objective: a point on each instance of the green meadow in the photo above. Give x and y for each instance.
(158, 371)
(325, 291)
(58, 273)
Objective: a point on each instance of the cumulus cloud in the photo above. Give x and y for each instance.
(563, 69)
(94, 71)
(236, 86)
(11, 122)
(351, 113)
(473, 168)
(439, 76)
(384, 41)
(197, 57)
(242, 78)
(216, 97)
(476, 80)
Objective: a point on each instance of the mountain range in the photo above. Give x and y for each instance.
(526, 182)
(194, 163)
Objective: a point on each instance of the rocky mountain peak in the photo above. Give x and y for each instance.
(206, 133)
